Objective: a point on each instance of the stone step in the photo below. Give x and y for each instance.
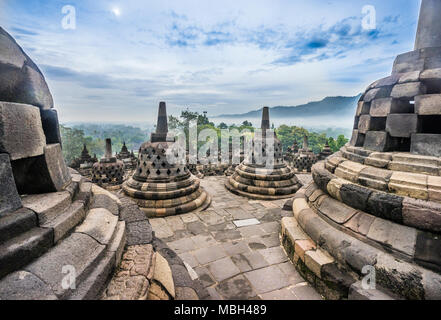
(22, 249)
(71, 261)
(94, 284)
(64, 223)
(15, 223)
(49, 205)
(357, 292)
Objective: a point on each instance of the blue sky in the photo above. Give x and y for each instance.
(225, 56)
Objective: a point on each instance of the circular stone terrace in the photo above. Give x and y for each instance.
(233, 247)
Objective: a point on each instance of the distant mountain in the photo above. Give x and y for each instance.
(328, 107)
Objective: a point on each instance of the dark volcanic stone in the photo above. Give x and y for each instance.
(42, 174)
(139, 232)
(51, 127)
(428, 250)
(386, 206)
(16, 223)
(321, 176)
(9, 198)
(20, 79)
(355, 196)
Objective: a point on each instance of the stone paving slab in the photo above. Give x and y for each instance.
(236, 261)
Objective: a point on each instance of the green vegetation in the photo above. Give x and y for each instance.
(94, 136)
(288, 135)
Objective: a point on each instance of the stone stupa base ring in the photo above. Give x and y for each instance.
(265, 183)
(260, 193)
(170, 207)
(248, 175)
(161, 195)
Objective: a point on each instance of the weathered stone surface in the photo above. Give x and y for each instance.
(399, 237)
(237, 288)
(349, 170)
(434, 188)
(360, 223)
(15, 223)
(316, 260)
(400, 277)
(336, 211)
(409, 184)
(378, 159)
(301, 246)
(429, 104)
(21, 132)
(422, 214)
(47, 173)
(20, 250)
(9, 198)
(357, 138)
(386, 106)
(223, 269)
(426, 144)
(104, 201)
(21, 81)
(367, 123)
(47, 206)
(78, 250)
(163, 275)
(334, 187)
(377, 141)
(385, 205)
(377, 93)
(139, 232)
(66, 220)
(428, 249)
(51, 127)
(412, 76)
(100, 224)
(362, 108)
(431, 74)
(374, 178)
(22, 285)
(267, 279)
(408, 90)
(402, 125)
(355, 196)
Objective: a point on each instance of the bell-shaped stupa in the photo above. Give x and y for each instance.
(260, 181)
(159, 187)
(109, 171)
(304, 159)
(374, 208)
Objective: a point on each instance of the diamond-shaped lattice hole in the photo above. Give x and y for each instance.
(163, 164)
(178, 171)
(168, 172)
(158, 172)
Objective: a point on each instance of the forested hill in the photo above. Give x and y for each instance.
(328, 107)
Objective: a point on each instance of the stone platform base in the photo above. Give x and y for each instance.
(62, 245)
(335, 247)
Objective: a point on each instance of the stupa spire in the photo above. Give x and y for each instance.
(429, 25)
(162, 125)
(265, 119)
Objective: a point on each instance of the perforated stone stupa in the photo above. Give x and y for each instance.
(109, 171)
(255, 181)
(304, 159)
(161, 188)
(375, 206)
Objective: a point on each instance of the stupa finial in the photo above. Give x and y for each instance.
(429, 25)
